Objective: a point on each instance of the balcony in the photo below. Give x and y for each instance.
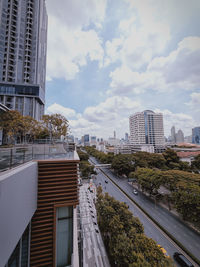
(43, 149)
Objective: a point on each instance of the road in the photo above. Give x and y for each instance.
(189, 238)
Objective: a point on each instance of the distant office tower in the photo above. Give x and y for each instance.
(146, 128)
(179, 137)
(86, 140)
(126, 137)
(23, 41)
(93, 140)
(196, 135)
(173, 134)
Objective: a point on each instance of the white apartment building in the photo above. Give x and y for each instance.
(146, 128)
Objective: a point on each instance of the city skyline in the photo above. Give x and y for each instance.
(109, 59)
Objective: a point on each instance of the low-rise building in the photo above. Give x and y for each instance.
(38, 212)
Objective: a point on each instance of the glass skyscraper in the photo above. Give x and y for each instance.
(196, 135)
(23, 42)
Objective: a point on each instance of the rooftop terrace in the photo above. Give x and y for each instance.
(13, 156)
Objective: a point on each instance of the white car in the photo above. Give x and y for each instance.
(135, 192)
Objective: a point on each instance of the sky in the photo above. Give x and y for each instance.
(107, 59)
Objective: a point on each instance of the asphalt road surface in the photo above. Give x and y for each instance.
(185, 235)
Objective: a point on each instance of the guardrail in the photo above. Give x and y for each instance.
(17, 155)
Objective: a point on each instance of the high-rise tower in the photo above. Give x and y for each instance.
(146, 128)
(23, 42)
(173, 134)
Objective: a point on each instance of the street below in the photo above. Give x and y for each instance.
(185, 235)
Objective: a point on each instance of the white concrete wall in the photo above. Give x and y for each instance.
(18, 202)
(75, 255)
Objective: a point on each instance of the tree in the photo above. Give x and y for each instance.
(196, 162)
(12, 124)
(86, 169)
(30, 128)
(187, 202)
(56, 124)
(171, 157)
(82, 155)
(123, 235)
(150, 180)
(149, 160)
(123, 164)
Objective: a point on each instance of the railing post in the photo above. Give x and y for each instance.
(11, 157)
(24, 155)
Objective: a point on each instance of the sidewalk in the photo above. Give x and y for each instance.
(94, 253)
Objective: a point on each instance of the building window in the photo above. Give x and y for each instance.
(14, 259)
(64, 236)
(20, 255)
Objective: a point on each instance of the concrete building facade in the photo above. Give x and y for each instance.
(23, 35)
(38, 225)
(179, 137)
(147, 128)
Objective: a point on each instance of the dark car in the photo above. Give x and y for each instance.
(182, 260)
(106, 181)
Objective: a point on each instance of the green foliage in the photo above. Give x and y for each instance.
(86, 169)
(150, 180)
(170, 156)
(101, 156)
(25, 128)
(187, 202)
(123, 164)
(56, 124)
(18, 127)
(184, 187)
(82, 155)
(196, 162)
(124, 237)
(149, 160)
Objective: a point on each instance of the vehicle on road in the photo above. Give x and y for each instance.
(182, 260)
(135, 192)
(106, 181)
(164, 251)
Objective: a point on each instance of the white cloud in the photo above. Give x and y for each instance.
(182, 66)
(76, 14)
(56, 108)
(100, 120)
(140, 37)
(69, 46)
(181, 121)
(113, 115)
(179, 70)
(194, 103)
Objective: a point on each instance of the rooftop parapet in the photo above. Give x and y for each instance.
(13, 156)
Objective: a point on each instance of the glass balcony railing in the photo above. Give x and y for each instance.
(19, 154)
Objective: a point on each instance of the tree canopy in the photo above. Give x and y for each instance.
(124, 237)
(25, 128)
(56, 124)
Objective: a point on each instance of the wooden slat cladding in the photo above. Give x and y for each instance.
(57, 184)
